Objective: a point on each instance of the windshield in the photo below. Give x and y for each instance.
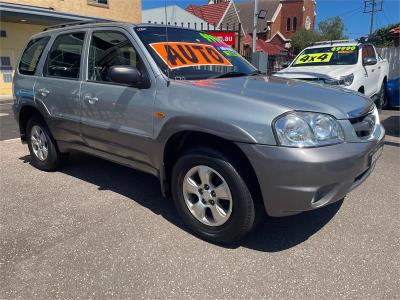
(191, 55)
(334, 55)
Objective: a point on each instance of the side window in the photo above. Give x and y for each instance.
(368, 51)
(64, 58)
(107, 49)
(31, 56)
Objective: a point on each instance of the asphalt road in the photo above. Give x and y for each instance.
(100, 230)
(8, 126)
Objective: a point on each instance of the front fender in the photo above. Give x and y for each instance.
(182, 124)
(218, 128)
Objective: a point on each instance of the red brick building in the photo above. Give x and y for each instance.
(283, 18)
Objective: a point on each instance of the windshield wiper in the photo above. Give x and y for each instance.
(235, 74)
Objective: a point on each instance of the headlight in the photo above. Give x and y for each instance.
(306, 129)
(343, 80)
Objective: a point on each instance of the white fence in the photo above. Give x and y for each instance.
(393, 57)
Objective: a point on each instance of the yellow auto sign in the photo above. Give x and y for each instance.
(314, 58)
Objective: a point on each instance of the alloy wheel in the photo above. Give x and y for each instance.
(39, 143)
(207, 195)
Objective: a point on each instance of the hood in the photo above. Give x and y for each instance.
(288, 94)
(325, 72)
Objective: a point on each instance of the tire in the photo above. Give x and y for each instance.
(382, 96)
(42, 147)
(239, 215)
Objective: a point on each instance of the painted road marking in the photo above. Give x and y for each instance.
(4, 115)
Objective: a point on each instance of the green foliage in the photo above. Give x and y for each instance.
(381, 37)
(304, 38)
(332, 29)
(329, 29)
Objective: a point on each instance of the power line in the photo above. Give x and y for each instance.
(387, 18)
(372, 7)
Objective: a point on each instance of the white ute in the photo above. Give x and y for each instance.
(353, 65)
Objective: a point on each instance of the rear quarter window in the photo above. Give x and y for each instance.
(31, 55)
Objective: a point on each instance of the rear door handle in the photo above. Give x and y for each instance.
(91, 100)
(44, 92)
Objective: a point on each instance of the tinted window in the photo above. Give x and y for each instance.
(107, 49)
(368, 52)
(31, 56)
(64, 58)
(192, 55)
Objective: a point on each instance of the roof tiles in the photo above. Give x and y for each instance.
(211, 13)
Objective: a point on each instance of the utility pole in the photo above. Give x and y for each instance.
(255, 22)
(372, 7)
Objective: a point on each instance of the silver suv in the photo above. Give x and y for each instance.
(226, 142)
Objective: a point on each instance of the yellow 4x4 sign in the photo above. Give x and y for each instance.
(314, 58)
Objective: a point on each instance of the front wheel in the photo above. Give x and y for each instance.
(382, 99)
(211, 197)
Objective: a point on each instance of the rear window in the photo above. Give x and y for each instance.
(31, 56)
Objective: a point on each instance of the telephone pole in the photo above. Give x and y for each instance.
(255, 22)
(372, 7)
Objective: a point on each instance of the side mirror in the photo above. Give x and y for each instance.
(125, 75)
(369, 61)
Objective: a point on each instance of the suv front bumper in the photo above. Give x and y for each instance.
(293, 180)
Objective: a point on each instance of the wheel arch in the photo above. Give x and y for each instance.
(187, 140)
(25, 113)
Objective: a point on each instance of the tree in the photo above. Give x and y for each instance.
(382, 38)
(304, 38)
(332, 29)
(329, 29)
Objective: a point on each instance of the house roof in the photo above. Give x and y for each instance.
(211, 13)
(395, 30)
(175, 14)
(271, 49)
(246, 13)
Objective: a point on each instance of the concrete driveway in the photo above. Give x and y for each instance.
(100, 230)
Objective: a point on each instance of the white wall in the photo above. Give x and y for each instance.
(393, 57)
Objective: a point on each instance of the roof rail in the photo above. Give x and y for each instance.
(83, 22)
(333, 41)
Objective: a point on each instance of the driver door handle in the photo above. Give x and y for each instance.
(91, 100)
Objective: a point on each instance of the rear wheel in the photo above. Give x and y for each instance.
(43, 150)
(212, 197)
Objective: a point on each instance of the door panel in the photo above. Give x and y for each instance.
(58, 89)
(115, 118)
(61, 100)
(372, 72)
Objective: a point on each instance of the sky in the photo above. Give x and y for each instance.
(357, 23)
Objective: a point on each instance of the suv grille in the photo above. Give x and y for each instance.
(364, 125)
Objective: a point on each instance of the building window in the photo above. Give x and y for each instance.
(5, 63)
(7, 78)
(3, 33)
(98, 2)
(288, 24)
(294, 24)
